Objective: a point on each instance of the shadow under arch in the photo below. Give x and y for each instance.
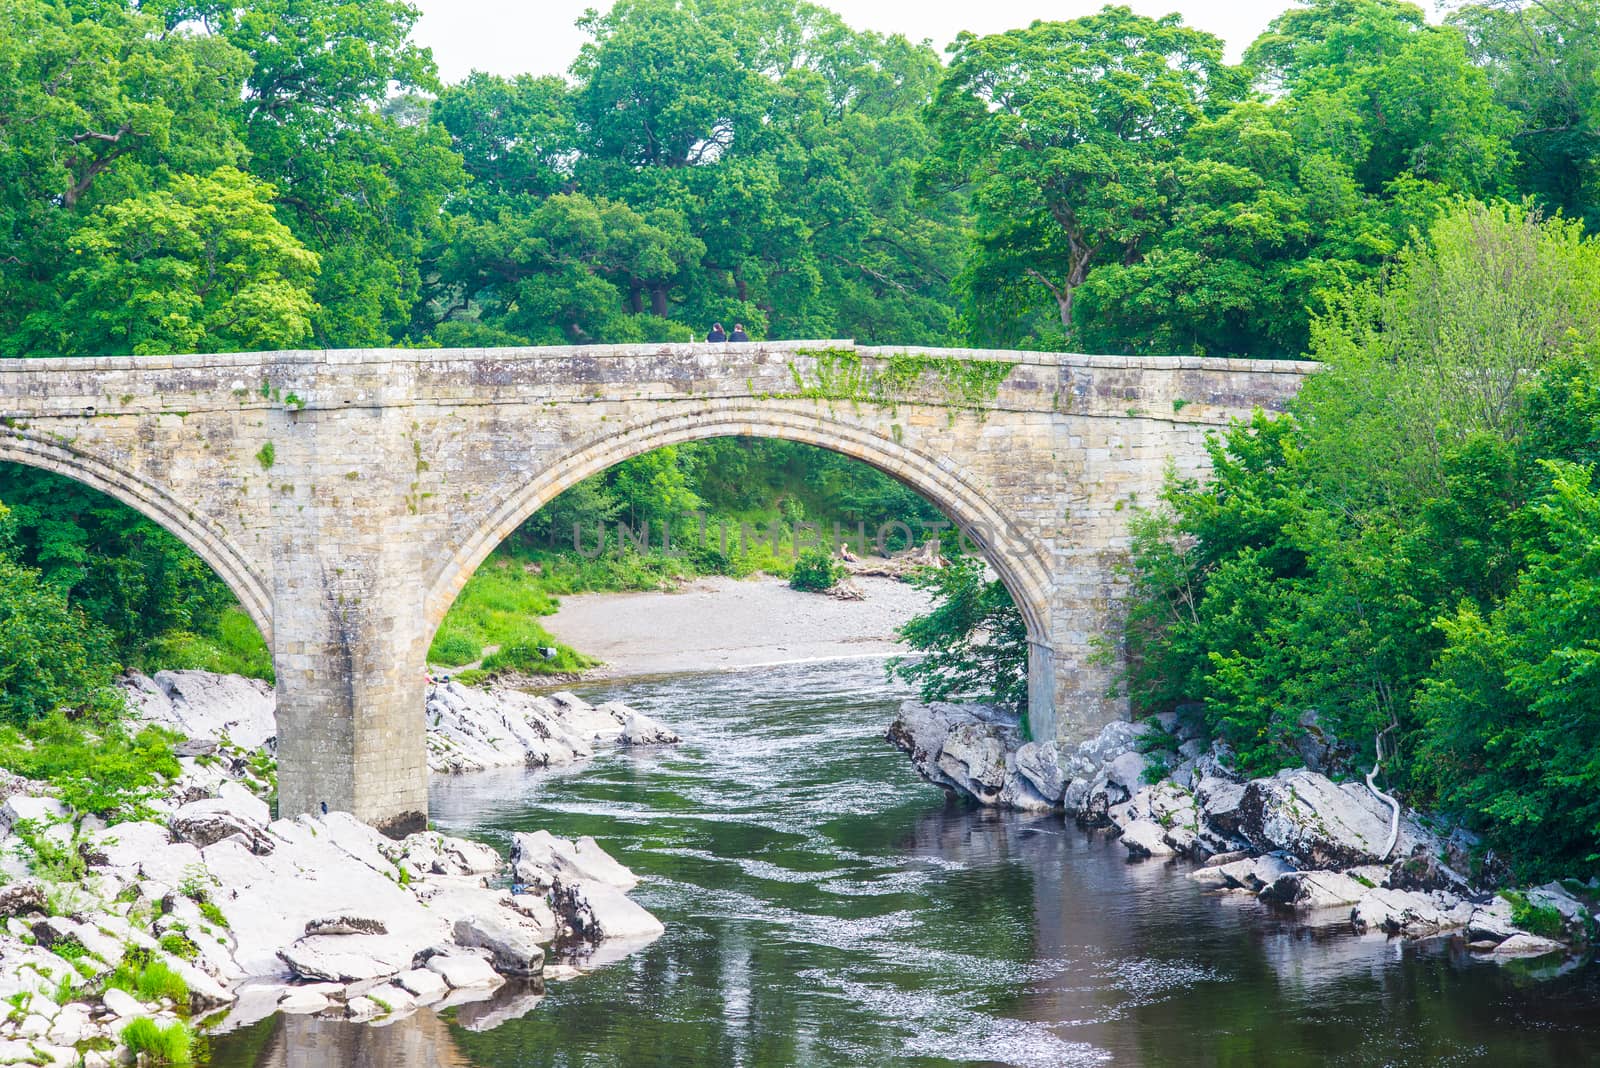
(1017, 561)
(156, 505)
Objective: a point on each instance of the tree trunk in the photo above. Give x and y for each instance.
(658, 300)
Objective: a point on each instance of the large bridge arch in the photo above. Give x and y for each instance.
(1012, 553)
(154, 503)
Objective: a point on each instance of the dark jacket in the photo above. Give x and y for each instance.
(717, 335)
(738, 335)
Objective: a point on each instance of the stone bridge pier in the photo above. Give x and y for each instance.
(347, 496)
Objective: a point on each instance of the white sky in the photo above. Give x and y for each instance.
(538, 36)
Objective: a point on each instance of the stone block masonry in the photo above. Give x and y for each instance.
(346, 496)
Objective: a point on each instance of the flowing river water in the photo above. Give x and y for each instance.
(826, 907)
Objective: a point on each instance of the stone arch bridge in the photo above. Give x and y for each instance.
(346, 496)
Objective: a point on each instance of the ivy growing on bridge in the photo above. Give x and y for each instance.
(842, 375)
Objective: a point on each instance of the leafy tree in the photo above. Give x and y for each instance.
(131, 578)
(1305, 575)
(51, 655)
(973, 641)
(361, 185)
(1543, 61)
(201, 266)
(1063, 133)
(1511, 714)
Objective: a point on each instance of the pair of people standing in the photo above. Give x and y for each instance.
(719, 334)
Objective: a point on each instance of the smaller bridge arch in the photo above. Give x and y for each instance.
(155, 504)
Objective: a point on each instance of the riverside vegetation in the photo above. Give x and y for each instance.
(1410, 554)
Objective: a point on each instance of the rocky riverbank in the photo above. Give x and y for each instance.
(1312, 847)
(207, 907)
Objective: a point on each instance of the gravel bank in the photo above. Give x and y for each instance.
(721, 623)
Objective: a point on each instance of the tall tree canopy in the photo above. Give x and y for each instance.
(1064, 133)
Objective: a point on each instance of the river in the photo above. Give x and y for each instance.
(826, 907)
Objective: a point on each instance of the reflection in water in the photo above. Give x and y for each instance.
(826, 908)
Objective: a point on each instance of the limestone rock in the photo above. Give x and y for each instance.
(207, 822)
(1319, 823)
(463, 971)
(42, 811)
(539, 858)
(514, 952)
(1314, 890)
(1527, 945)
(591, 912)
(122, 1003)
(1040, 764)
(639, 729)
(343, 958)
(427, 987)
(1408, 912)
(1146, 838)
(206, 705)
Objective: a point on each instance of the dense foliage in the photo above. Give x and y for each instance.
(973, 643)
(1415, 544)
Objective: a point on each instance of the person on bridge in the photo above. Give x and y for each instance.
(738, 333)
(717, 333)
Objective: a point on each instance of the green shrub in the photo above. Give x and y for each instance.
(148, 979)
(452, 648)
(157, 1045)
(816, 570)
(974, 639)
(234, 646)
(179, 945)
(1545, 921)
(51, 654)
(526, 654)
(95, 764)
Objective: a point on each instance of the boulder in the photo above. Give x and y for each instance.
(242, 801)
(207, 822)
(343, 958)
(962, 748)
(463, 971)
(42, 811)
(1319, 823)
(513, 951)
(1251, 873)
(1146, 838)
(1527, 945)
(639, 729)
(1314, 890)
(121, 1003)
(427, 987)
(974, 757)
(1408, 912)
(591, 912)
(1126, 771)
(539, 858)
(1040, 764)
(1424, 870)
(206, 705)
